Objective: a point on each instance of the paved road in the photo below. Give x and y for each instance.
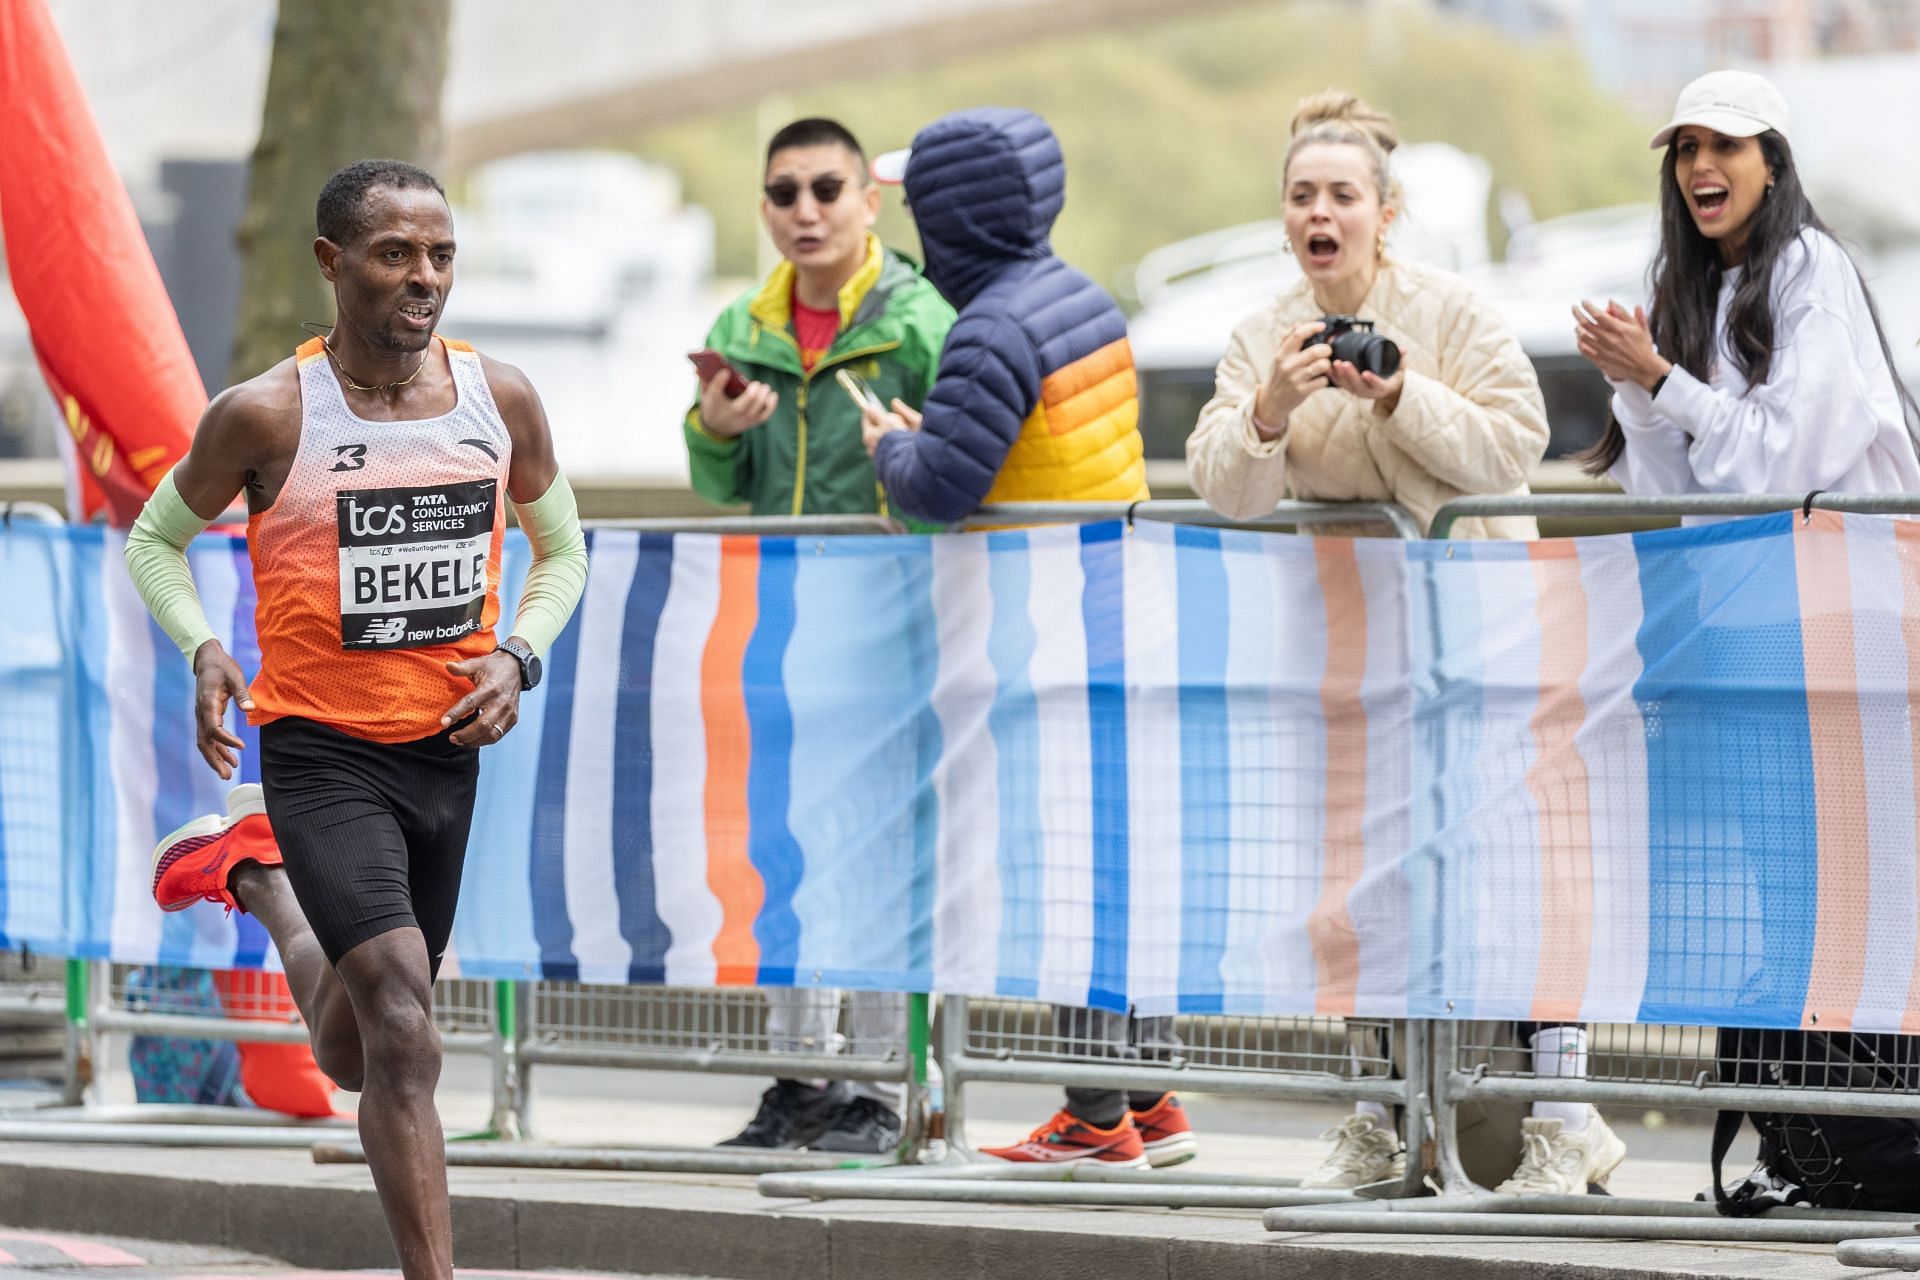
(36, 1255)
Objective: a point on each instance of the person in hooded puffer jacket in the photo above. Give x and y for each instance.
(1034, 401)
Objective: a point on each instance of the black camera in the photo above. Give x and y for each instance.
(1355, 342)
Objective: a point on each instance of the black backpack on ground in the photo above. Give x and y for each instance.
(1831, 1162)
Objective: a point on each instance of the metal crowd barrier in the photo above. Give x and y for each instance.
(687, 1029)
(1663, 1067)
(104, 1001)
(1623, 505)
(1282, 1059)
(1441, 1065)
(725, 1031)
(34, 1023)
(1273, 1058)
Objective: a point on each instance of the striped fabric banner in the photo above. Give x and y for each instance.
(1665, 777)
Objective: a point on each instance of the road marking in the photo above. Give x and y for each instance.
(91, 1252)
(467, 1273)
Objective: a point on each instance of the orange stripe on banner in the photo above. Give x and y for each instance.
(1559, 784)
(1839, 770)
(723, 707)
(1906, 546)
(1336, 948)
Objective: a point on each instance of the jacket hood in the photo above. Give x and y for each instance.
(985, 186)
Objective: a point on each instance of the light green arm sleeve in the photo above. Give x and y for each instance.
(559, 572)
(157, 562)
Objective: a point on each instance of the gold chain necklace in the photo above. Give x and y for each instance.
(382, 387)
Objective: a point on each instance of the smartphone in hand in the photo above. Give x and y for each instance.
(710, 362)
(856, 387)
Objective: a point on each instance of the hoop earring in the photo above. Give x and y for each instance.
(1380, 247)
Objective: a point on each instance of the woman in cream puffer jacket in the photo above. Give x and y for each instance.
(1464, 415)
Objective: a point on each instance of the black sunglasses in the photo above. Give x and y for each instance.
(784, 195)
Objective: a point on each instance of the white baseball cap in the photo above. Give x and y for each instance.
(890, 167)
(1739, 104)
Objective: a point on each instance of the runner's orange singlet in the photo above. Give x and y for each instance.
(379, 562)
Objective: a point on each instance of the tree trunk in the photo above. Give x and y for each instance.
(348, 82)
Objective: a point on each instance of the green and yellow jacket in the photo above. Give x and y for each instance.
(808, 458)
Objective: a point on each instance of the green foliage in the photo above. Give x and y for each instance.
(1177, 127)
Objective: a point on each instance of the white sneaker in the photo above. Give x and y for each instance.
(1363, 1153)
(1556, 1163)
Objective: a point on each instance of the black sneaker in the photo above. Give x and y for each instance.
(792, 1114)
(864, 1126)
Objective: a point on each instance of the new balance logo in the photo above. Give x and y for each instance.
(385, 630)
(352, 457)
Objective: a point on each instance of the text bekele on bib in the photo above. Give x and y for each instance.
(413, 563)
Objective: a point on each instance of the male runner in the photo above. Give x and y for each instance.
(373, 463)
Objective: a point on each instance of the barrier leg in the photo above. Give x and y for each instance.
(99, 991)
(1446, 1114)
(1387, 1220)
(951, 1052)
(502, 1056)
(78, 1065)
(1898, 1254)
(914, 1116)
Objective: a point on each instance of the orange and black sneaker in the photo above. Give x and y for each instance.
(1067, 1137)
(196, 862)
(1165, 1133)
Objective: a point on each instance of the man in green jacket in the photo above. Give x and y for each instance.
(791, 444)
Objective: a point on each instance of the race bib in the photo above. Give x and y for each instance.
(413, 563)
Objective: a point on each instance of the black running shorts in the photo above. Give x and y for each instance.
(374, 833)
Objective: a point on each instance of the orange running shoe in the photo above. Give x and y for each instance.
(1165, 1133)
(1067, 1137)
(197, 861)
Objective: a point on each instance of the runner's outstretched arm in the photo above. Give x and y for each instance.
(156, 552)
(559, 571)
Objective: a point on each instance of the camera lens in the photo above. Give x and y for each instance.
(1367, 352)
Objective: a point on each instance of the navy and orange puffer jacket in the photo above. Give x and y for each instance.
(1034, 399)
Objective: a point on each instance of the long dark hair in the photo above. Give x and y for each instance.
(1687, 273)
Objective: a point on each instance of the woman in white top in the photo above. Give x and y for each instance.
(1762, 366)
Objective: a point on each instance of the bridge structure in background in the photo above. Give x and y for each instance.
(646, 65)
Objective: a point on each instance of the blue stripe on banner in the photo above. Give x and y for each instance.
(33, 701)
(1014, 722)
(858, 675)
(1449, 741)
(775, 854)
(90, 882)
(640, 922)
(547, 843)
(1102, 614)
(493, 931)
(174, 801)
(1206, 786)
(1734, 880)
(251, 938)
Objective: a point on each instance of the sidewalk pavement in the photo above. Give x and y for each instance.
(281, 1204)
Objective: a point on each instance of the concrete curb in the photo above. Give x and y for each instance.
(273, 1203)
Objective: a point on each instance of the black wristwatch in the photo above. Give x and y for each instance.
(522, 652)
